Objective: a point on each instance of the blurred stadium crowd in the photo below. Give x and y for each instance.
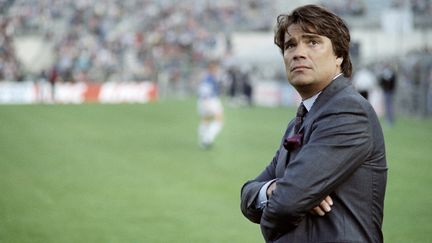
(165, 41)
(125, 39)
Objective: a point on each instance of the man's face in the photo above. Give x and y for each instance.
(310, 62)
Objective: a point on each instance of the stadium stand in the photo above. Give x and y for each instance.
(168, 42)
(130, 40)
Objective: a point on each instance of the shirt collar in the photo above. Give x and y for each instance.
(308, 103)
(337, 76)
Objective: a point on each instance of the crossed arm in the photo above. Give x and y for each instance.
(335, 149)
(321, 210)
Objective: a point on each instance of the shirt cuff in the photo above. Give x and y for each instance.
(261, 201)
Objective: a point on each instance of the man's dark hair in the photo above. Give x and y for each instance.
(318, 20)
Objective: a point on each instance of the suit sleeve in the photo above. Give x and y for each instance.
(250, 190)
(336, 146)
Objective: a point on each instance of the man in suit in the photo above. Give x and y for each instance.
(327, 180)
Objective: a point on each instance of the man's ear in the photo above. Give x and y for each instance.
(339, 60)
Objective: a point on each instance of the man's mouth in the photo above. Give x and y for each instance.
(299, 67)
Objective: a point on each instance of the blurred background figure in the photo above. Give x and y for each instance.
(247, 87)
(240, 89)
(233, 80)
(364, 81)
(387, 82)
(210, 107)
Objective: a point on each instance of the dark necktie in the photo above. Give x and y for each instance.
(296, 140)
(301, 112)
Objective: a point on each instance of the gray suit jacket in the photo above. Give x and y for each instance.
(343, 156)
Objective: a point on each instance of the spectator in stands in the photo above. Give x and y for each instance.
(10, 66)
(134, 39)
(350, 7)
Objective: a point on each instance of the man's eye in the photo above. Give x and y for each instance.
(289, 46)
(314, 42)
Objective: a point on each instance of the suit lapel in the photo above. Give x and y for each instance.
(284, 154)
(327, 93)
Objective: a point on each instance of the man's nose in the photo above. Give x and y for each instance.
(299, 51)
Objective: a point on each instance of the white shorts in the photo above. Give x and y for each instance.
(210, 107)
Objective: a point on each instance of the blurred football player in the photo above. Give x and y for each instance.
(210, 107)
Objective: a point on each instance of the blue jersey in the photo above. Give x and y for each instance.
(208, 87)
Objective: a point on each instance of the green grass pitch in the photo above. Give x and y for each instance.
(135, 173)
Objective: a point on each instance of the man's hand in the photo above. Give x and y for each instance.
(270, 189)
(321, 210)
(324, 207)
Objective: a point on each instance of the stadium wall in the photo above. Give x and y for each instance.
(76, 93)
(273, 93)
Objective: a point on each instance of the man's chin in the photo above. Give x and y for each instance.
(300, 81)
